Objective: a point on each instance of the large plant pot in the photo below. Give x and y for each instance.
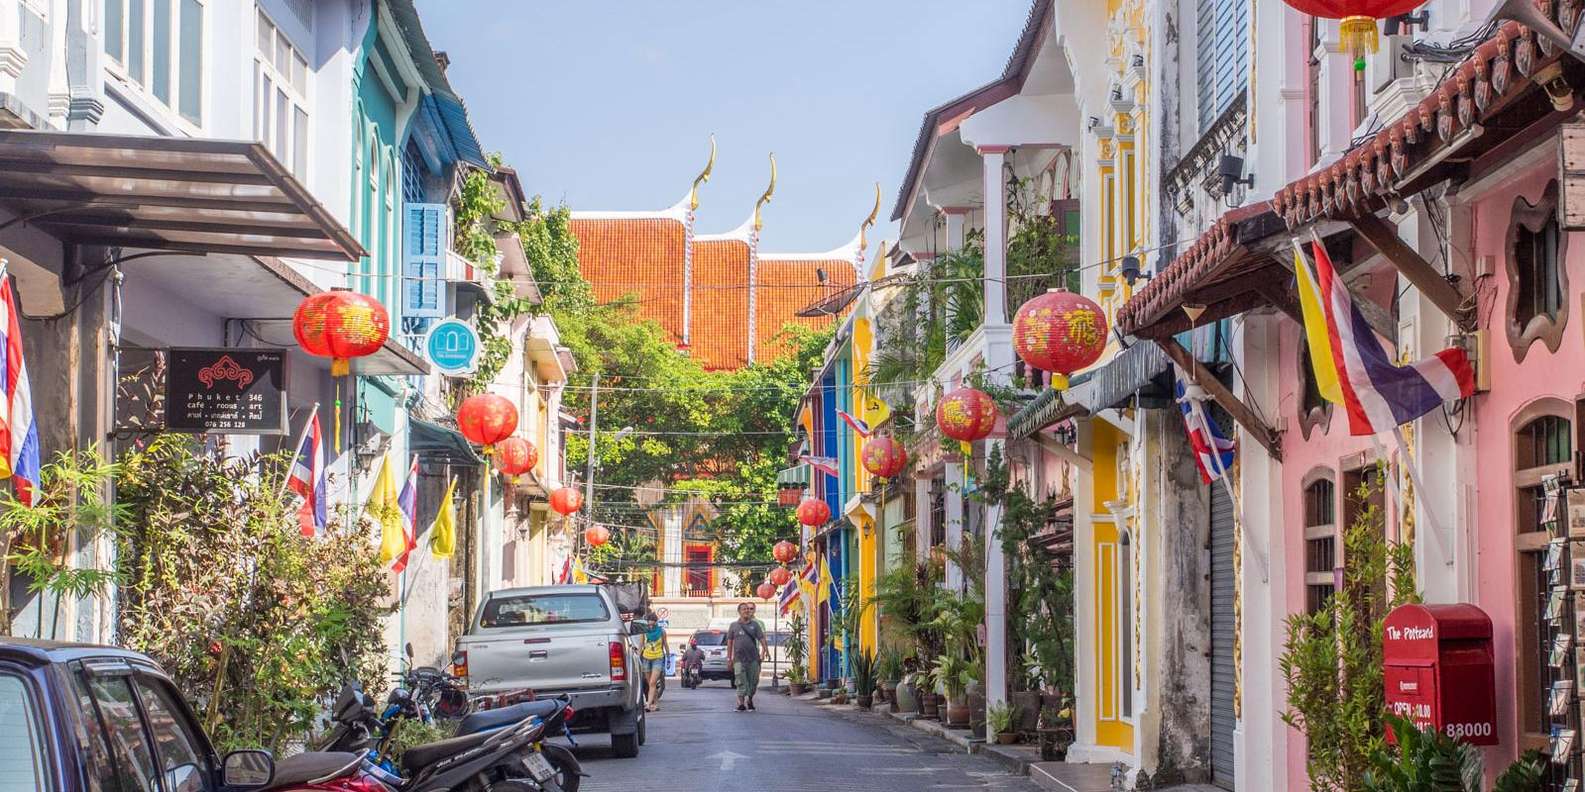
(1028, 704)
(976, 696)
(1006, 738)
(822, 692)
(958, 711)
(1052, 700)
(865, 702)
(906, 698)
(930, 705)
(797, 688)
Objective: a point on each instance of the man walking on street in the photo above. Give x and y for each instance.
(747, 647)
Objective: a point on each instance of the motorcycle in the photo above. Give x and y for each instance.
(690, 676)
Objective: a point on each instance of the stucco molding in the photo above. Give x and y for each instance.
(1533, 217)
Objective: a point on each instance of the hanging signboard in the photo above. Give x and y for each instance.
(226, 391)
(453, 346)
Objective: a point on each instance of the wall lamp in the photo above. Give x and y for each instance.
(1231, 170)
(1132, 271)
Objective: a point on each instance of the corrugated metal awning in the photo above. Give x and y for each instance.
(1123, 376)
(165, 193)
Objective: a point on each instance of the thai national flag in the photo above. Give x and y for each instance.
(19, 434)
(824, 464)
(407, 502)
(858, 424)
(307, 478)
(1204, 434)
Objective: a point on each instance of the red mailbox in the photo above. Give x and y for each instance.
(1439, 670)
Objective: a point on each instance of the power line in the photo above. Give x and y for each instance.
(688, 434)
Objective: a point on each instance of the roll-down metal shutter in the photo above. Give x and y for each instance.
(1222, 628)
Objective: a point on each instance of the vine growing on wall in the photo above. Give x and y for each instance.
(475, 226)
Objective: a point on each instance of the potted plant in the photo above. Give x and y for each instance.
(929, 699)
(1028, 701)
(796, 646)
(1056, 733)
(1002, 719)
(839, 695)
(864, 670)
(950, 672)
(974, 691)
(889, 670)
(796, 684)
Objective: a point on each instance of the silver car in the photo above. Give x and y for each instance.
(713, 644)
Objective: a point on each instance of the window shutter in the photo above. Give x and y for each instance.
(423, 260)
(1221, 57)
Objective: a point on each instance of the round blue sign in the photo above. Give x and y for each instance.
(453, 346)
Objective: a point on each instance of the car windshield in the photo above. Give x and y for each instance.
(710, 638)
(528, 609)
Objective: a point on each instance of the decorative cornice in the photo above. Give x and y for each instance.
(1199, 164)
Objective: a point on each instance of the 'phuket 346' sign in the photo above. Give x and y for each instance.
(226, 391)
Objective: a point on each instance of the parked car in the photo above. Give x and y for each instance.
(85, 717)
(560, 640)
(713, 644)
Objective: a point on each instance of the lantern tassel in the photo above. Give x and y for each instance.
(340, 367)
(1358, 37)
(1059, 382)
(338, 417)
(968, 450)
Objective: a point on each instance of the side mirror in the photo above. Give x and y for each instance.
(248, 769)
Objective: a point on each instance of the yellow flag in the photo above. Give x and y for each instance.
(1316, 334)
(443, 531)
(385, 511)
(823, 585)
(579, 574)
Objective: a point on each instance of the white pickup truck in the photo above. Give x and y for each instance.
(559, 639)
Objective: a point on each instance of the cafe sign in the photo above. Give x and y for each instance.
(226, 391)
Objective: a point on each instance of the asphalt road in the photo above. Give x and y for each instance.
(698, 741)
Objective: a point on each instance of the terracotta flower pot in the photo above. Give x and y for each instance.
(1006, 738)
(865, 702)
(930, 705)
(797, 688)
(958, 711)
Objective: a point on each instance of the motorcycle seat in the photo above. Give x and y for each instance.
(493, 719)
(311, 766)
(422, 756)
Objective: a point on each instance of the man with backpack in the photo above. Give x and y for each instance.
(746, 649)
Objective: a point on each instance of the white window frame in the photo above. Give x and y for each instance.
(296, 154)
(142, 84)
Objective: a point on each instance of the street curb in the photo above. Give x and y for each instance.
(1016, 758)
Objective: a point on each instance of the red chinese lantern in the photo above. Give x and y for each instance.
(596, 535)
(341, 325)
(785, 551)
(813, 512)
(765, 590)
(487, 419)
(1060, 332)
(779, 576)
(1358, 28)
(515, 456)
(884, 456)
(566, 501)
(966, 415)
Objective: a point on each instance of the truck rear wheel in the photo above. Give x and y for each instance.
(625, 746)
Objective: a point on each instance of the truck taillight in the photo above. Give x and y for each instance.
(618, 662)
(459, 664)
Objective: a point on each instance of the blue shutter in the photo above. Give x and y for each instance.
(1221, 56)
(423, 260)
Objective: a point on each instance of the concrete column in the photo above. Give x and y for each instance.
(957, 220)
(922, 525)
(954, 520)
(995, 234)
(995, 599)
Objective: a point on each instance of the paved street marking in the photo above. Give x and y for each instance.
(728, 759)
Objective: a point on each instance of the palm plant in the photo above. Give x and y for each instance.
(864, 673)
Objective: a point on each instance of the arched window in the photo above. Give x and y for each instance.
(1542, 446)
(1320, 543)
(1537, 277)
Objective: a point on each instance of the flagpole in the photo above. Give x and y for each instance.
(312, 411)
(1222, 474)
(1414, 477)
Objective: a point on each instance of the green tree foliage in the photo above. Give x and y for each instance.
(1332, 659)
(256, 625)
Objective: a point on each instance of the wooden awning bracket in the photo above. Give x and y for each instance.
(1383, 236)
(1062, 452)
(1246, 417)
(1286, 298)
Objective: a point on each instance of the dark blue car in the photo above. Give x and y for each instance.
(83, 718)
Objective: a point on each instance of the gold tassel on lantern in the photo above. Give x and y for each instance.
(1059, 382)
(1358, 35)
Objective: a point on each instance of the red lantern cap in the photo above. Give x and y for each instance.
(566, 501)
(515, 456)
(884, 456)
(486, 419)
(784, 551)
(765, 590)
(341, 325)
(1060, 332)
(596, 535)
(813, 512)
(966, 415)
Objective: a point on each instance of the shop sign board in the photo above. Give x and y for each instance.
(1440, 670)
(452, 345)
(226, 391)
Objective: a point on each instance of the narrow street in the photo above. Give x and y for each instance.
(698, 741)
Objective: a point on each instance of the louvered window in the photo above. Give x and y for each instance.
(1221, 57)
(423, 260)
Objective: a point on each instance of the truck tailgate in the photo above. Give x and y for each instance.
(545, 657)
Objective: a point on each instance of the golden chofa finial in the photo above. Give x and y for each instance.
(704, 176)
(766, 196)
(870, 221)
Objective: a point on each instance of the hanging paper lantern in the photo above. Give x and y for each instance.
(884, 456)
(515, 456)
(765, 590)
(596, 535)
(487, 419)
(1060, 332)
(341, 325)
(813, 512)
(785, 551)
(1358, 28)
(966, 415)
(779, 576)
(566, 501)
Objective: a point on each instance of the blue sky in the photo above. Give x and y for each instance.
(608, 104)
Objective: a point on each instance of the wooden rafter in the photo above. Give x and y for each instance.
(1383, 236)
(1241, 412)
